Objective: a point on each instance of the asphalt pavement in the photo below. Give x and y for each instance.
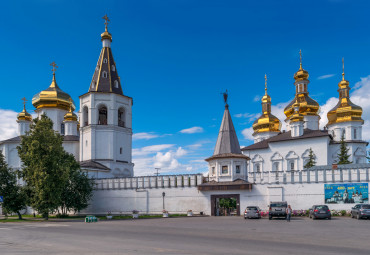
(188, 235)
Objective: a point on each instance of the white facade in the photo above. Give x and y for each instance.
(108, 143)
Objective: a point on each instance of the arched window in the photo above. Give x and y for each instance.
(85, 114)
(355, 134)
(121, 117)
(113, 68)
(103, 115)
(62, 129)
(105, 74)
(116, 84)
(93, 85)
(276, 166)
(105, 60)
(291, 165)
(344, 133)
(258, 168)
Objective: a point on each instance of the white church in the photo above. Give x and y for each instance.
(101, 138)
(271, 169)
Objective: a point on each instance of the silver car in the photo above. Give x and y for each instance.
(252, 212)
(361, 211)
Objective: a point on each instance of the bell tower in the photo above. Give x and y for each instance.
(106, 129)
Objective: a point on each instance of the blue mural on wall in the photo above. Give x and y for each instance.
(347, 193)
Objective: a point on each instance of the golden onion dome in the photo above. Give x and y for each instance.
(307, 106)
(70, 116)
(296, 116)
(24, 115)
(301, 74)
(52, 97)
(345, 110)
(267, 122)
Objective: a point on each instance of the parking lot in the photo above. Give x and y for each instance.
(188, 235)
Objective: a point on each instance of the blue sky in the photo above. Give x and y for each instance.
(176, 57)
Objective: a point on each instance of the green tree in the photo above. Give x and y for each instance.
(343, 156)
(44, 170)
(311, 160)
(78, 188)
(14, 196)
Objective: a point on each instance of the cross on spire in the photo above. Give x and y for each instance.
(300, 58)
(106, 22)
(54, 67)
(343, 68)
(265, 84)
(24, 102)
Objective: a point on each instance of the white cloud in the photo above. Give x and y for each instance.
(248, 116)
(256, 98)
(144, 136)
(326, 76)
(9, 125)
(150, 149)
(192, 130)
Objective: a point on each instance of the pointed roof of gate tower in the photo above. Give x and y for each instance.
(105, 78)
(227, 144)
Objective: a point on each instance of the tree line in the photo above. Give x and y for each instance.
(50, 179)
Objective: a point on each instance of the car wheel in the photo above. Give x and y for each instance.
(245, 217)
(358, 216)
(352, 216)
(270, 218)
(329, 218)
(313, 217)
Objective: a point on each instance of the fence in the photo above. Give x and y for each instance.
(150, 182)
(320, 174)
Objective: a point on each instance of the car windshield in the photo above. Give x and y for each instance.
(252, 208)
(366, 206)
(278, 205)
(321, 207)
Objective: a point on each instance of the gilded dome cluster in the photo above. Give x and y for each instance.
(303, 105)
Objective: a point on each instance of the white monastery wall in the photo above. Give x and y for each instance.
(301, 189)
(286, 152)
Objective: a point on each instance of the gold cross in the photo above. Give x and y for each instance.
(265, 84)
(106, 22)
(24, 101)
(54, 67)
(343, 68)
(300, 57)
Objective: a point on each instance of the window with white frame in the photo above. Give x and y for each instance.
(258, 167)
(105, 74)
(213, 170)
(105, 60)
(113, 68)
(225, 170)
(237, 169)
(116, 84)
(276, 166)
(355, 134)
(291, 165)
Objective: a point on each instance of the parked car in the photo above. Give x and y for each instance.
(252, 212)
(320, 212)
(361, 211)
(277, 209)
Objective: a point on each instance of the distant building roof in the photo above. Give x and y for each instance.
(286, 136)
(93, 164)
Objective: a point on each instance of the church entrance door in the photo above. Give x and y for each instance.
(225, 205)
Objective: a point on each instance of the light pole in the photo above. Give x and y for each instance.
(163, 195)
(157, 169)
